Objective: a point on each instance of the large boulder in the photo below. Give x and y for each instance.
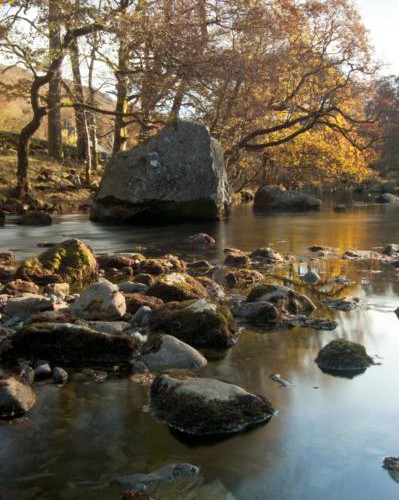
(199, 323)
(343, 356)
(100, 301)
(165, 352)
(206, 407)
(285, 299)
(177, 287)
(177, 174)
(36, 218)
(71, 344)
(275, 198)
(71, 261)
(16, 398)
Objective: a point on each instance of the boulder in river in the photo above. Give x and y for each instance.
(100, 301)
(36, 218)
(284, 298)
(177, 287)
(206, 407)
(258, 313)
(165, 352)
(16, 398)
(177, 174)
(275, 198)
(199, 323)
(343, 356)
(70, 261)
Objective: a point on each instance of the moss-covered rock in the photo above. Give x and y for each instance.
(206, 407)
(136, 300)
(199, 268)
(146, 279)
(71, 344)
(343, 356)
(237, 259)
(258, 313)
(18, 287)
(177, 287)
(199, 323)
(152, 266)
(266, 255)
(242, 278)
(284, 298)
(16, 398)
(71, 261)
(117, 261)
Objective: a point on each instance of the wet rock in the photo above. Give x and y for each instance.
(168, 474)
(71, 261)
(339, 209)
(311, 277)
(392, 250)
(27, 305)
(134, 301)
(16, 398)
(18, 287)
(275, 198)
(153, 266)
(7, 258)
(112, 327)
(118, 261)
(258, 313)
(177, 287)
(27, 374)
(60, 376)
(199, 323)
(132, 287)
(266, 255)
(185, 178)
(165, 352)
(201, 240)
(391, 464)
(142, 316)
(343, 355)
(63, 316)
(174, 263)
(243, 278)
(43, 371)
(341, 304)
(100, 301)
(199, 267)
(314, 323)
(237, 259)
(71, 344)
(358, 255)
(7, 273)
(284, 298)
(146, 279)
(385, 198)
(36, 218)
(57, 289)
(215, 291)
(206, 407)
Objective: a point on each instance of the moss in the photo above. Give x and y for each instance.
(70, 261)
(177, 287)
(211, 328)
(343, 355)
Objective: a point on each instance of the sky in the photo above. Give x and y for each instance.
(381, 18)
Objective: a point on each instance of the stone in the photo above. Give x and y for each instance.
(284, 298)
(7, 258)
(201, 240)
(343, 356)
(311, 277)
(347, 304)
(392, 250)
(206, 407)
(146, 279)
(71, 261)
(199, 268)
(18, 287)
(43, 371)
(177, 287)
(134, 301)
(266, 255)
(274, 198)
(391, 464)
(132, 287)
(112, 327)
(152, 266)
(58, 289)
(36, 218)
(178, 174)
(2, 218)
(100, 301)
(27, 305)
(27, 374)
(16, 398)
(72, 344)
(199, 323)
(60, 376)
(215, 291)
(385, 198)
(237, 259)
(118, 261)
(258, 313)
(165, 352)
(243, 278)
(142, 316)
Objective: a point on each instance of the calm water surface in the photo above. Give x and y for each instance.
(326, 443)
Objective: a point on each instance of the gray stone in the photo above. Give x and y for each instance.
(36, 218)
(58, 289)
(60, 375)
(311, 277)
(142, 316)
(262, 313)
(133, 287)
(15, 398)
(43, 371)
(166, 352)
(177, 174)
(26, 305)
(100, 301)
(275, 198)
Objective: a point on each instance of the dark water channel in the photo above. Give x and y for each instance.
(324, 444)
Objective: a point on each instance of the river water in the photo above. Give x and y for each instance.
(325, 443)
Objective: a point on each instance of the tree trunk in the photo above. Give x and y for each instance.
(54, 88)
(122, 87)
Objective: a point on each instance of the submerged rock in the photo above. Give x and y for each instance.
(343, 355)
(177, 174)
(206, 407)
(16, 398)
(100, 301)
(177, 287)
(284, 298)
(275, 198)
(71, 261)
(199, 323)
(165, 352)
(201, 240)
(71, 344)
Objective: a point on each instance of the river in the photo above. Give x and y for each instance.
(330, 435)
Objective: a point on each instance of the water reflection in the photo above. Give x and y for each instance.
(324, 443)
